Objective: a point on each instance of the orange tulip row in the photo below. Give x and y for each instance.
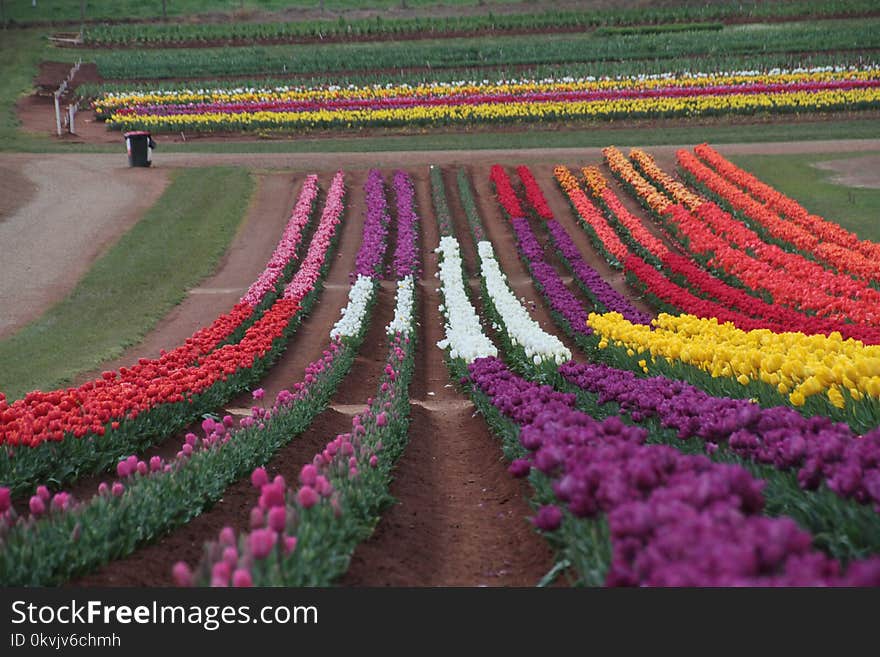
(787, 207)
(839, 257)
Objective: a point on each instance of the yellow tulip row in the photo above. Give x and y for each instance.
(796, 364)
(505, 112)
(110, 102)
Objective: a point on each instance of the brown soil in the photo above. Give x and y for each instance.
(16, 191)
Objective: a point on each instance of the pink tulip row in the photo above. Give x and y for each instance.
(285, 250)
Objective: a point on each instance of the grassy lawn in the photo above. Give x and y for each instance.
(134, 284)
(854, 208)
(536, 138)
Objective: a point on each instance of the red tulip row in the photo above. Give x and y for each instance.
(840, 258)
(700, 294)
(786, 207)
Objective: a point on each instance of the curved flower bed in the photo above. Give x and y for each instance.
(673, 519)
(734, 302)
(774, 228)
(62, 538)
(305, 535)
(708, 233)
(588, 279)
(822, 451)
(796, 365)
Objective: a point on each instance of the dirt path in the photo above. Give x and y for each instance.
(81, 206)
(854, 172)
(460, 519)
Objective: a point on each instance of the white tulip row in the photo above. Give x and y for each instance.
(539, 345)
(221, 92)
(403, 309)
(353, 314)
(464, 335)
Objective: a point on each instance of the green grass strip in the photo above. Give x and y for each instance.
(177, 243)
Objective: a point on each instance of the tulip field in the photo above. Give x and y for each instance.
(674, 367)
(464, 294)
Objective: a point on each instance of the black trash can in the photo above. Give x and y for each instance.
(140, 146)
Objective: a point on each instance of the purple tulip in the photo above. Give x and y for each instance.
(548, 518)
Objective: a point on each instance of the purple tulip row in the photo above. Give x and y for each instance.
(370, 255)
(591, 279)
(780, 436)
(674, 519)
(406, 254)
(557, 294)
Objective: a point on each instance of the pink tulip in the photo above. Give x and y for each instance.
(277, 518)
(241, 578)
(308, 474)
(261, 542)
(227, 536)
(142, 467)
(230, 555)
(307, 497)
(5, 499)
(374, 461)
(182, 574)
(289, 544)
(118, 489)
(258, 393)
(155, 463)
(103, 488)
(256, 519)
(271, 495)
(381, 419)
(259, 478)
(37, 506)
(43, 493)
